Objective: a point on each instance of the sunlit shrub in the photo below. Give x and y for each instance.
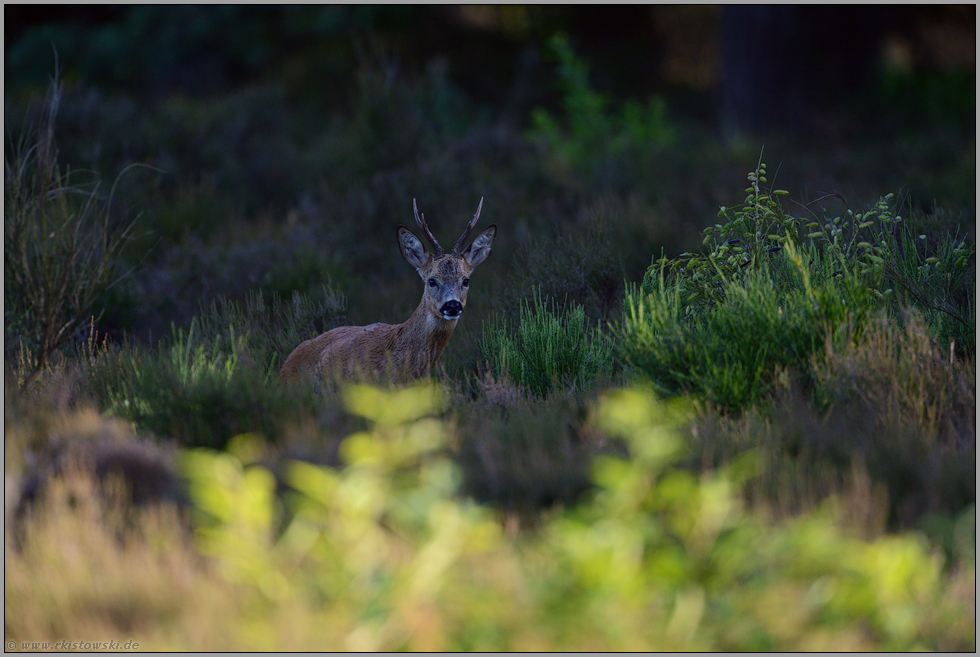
(381, 555)
(371, 547)
(675, 562)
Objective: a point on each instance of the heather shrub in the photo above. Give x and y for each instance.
(520, 453)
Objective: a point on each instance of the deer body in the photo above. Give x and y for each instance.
(412, 348)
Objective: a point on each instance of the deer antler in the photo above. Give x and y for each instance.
(420, 220)
(469, 229)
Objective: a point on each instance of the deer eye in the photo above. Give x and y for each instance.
(432, 282)
(466, 282)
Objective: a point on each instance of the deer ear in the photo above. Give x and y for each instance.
(478, 251)
(412, 249)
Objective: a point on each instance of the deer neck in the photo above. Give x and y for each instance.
(423, 337)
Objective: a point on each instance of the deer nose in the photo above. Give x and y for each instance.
(451, 309)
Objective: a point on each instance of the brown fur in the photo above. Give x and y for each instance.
(407, 350)
(372, 350)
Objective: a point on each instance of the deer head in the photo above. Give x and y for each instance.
(446, 276)
(413, 347)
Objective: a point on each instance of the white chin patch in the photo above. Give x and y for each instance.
(450, 318)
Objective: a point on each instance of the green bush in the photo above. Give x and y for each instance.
(773, 288)
(191, 391)
(876, 245)
(550, 349)
(380, 555)
(734, 352)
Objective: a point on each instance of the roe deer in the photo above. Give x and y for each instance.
(413, 347)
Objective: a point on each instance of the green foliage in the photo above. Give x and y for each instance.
(720, 578)
(374, 546)
(773, 288)
(734, 352)
(752, 236)
(593, 128)
(551, 348)
(379, 555)
(875, 247)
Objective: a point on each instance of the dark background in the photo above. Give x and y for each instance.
(738, 68)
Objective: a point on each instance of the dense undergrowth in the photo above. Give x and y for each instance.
(766, 442)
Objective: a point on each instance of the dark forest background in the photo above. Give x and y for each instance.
(745, 68)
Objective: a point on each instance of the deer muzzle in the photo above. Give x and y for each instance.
(451, 310)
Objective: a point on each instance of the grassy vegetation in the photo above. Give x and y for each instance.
(551, 349)
(61, 245)
(761, 437)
